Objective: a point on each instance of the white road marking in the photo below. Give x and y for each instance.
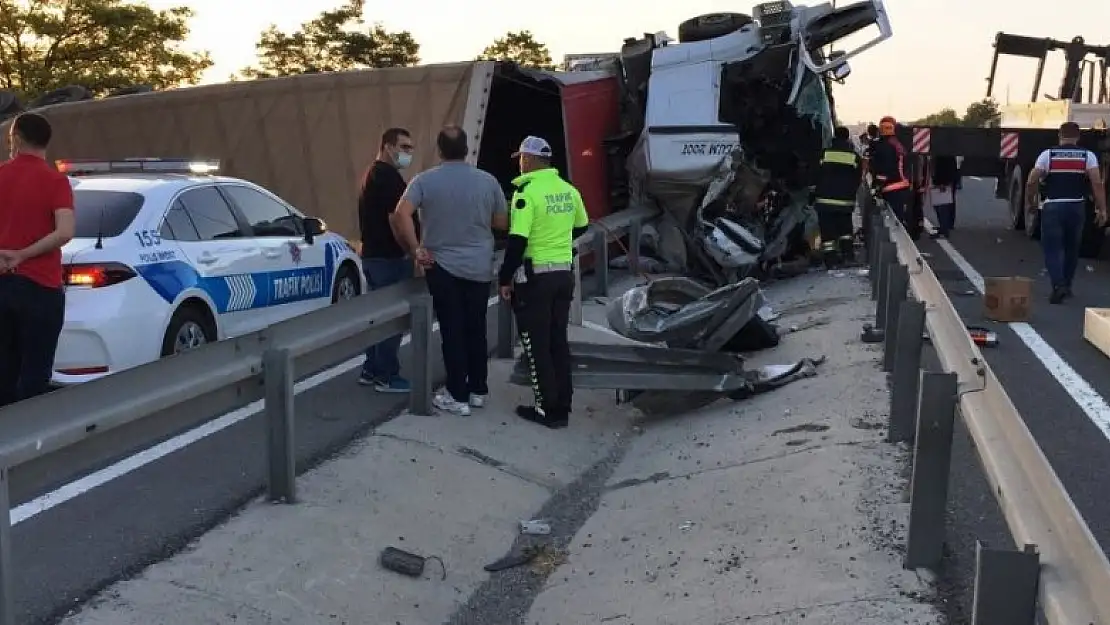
(1087, 398)
(83, 485)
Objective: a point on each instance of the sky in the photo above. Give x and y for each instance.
(939, 55)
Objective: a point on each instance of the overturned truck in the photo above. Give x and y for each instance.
(722, 129)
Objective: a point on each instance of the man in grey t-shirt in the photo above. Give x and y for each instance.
(459, 205)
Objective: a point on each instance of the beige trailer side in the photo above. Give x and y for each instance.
(307, 138)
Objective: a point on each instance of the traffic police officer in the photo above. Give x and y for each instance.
(547, 214)
(837, 184)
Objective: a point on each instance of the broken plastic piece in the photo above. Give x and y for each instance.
(983, 337)
(535, 528)
(513, 560)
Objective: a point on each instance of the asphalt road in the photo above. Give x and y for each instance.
(1076, 447)
(65, 554)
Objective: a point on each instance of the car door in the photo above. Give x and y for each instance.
(298, 279)
(221, 257)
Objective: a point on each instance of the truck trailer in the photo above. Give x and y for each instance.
(1007, 153)
(722, 130)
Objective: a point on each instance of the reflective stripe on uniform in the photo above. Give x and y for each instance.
(839, 158)
(831, 202)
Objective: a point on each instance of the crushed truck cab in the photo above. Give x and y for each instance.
(734, 117)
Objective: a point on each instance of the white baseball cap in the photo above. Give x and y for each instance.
(534, 146)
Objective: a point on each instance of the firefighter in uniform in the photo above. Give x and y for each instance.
(837, 184)
(537, 276)
(888, 170)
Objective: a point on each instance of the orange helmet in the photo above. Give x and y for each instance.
(886, 126)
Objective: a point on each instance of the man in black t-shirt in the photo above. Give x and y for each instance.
(384, 261)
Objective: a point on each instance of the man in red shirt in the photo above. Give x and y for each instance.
(36, 220)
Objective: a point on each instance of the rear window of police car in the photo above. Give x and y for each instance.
(104, 213)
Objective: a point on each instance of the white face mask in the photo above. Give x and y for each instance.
(404, 159)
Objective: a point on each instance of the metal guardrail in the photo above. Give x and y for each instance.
(50, 440)
(1060, 567)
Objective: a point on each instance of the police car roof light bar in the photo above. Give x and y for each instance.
(77, 167)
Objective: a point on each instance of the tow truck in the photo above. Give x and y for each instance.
(1007, 153)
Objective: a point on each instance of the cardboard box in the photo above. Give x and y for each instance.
(1096, 328)
(1007, 299)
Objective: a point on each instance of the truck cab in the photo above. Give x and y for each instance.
(739, 108)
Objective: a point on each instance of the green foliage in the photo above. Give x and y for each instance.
(101, 45)
(334, 41)
(521, 48)
(981, 114)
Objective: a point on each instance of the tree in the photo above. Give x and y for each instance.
(335, 41)
(943, 117)
(521, 48)
(101, 45)
(983, 114)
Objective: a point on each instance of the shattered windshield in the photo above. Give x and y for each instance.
(813, 101)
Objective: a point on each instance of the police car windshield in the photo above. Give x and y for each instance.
(104, 213)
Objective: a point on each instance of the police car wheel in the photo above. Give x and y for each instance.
(346, 285)
(189, 329)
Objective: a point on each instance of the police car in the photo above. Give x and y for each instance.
(169, 256)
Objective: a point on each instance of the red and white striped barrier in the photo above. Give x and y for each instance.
(1009, 145)
(922, 137)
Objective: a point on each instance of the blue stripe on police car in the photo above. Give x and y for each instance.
(246, 291)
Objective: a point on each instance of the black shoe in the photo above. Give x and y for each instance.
(1058, 295)
(1067, 292)
(529, 413)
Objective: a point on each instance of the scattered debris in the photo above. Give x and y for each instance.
(805, 427)
(983, 337)
(684, 313)
(535, 527)
(515, 558)
(687, 526)
(407, 563)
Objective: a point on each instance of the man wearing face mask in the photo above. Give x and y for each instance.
(384, 260)
(547, 214)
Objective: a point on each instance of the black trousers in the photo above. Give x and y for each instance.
(542, 307)
(460, 306)
(31, 318)
(834, 222)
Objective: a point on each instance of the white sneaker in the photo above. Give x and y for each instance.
(477, 401)
(447, 403)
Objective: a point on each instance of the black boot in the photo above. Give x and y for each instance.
(533, 414)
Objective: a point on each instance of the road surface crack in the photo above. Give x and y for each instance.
(474, 455)
(668, 477)
(893, 599)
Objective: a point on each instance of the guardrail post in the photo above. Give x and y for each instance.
(1006, 586)
(897, 285)
(576, 303)
(907, 371)
(874, 248)
(277, 369)
(888, 256)
(601, 263)
(7, 606)
(635, 234)
(932, 455)
(420, 310)
(506, 340)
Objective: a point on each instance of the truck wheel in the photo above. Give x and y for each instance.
(711, 25)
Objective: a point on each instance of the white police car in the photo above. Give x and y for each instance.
(168, 257)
